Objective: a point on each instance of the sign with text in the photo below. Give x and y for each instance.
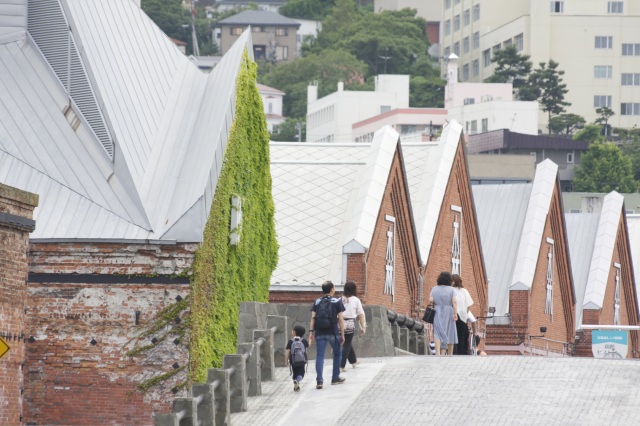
(4, 347)
(611, 344)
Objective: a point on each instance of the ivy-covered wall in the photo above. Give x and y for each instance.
(225, 275)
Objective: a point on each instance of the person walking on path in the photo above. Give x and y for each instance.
(353, 310)
(443, 297)
(327, 327)
(297, 355)
(464, 300)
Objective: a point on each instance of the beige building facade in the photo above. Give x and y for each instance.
(596, 43)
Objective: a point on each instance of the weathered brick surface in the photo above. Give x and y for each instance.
(458, 193)
(68, 380)
(14, 243)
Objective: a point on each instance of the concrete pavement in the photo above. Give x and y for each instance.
(494, 390)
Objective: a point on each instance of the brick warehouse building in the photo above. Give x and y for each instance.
(603, 272)
(125, 156)
(527, 256)
(342, 212)
(16, 222)
(442, 203)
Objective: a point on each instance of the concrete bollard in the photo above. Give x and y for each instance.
(421, 344)
(395, 335)
(165, 419)
(207, 407)
(190, 408)
(253, 367)
(267, 358)
(413, 342)
(403, 338)
(281, 337)
(221, 395)
(238, 382)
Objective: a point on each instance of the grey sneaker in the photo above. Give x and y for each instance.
(319, 385)
(338, 381)
(296, 386)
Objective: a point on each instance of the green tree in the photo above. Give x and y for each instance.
(589, 133)
(604, 168)
(170, 16)
(630, 145)
(327, 68)
(511, 67)
(566, 124)
(552, 90)
(290, 130)
(426, 92)
(306, 9)
(604, 114)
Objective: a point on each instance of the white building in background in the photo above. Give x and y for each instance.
(272, 101)
(308, 28)
(329, 119)
(596, 43)
(483, 107)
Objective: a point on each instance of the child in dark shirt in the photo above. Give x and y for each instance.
(297, 371)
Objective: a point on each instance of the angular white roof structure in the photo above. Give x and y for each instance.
(511, 218)
(633, 226)
(104, 118)
(327, 198)
(429, 168)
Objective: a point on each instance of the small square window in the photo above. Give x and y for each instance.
(570, 158)
(615, 7)
(557, 6)
(630, 49)
(602, 71)
(604, 42)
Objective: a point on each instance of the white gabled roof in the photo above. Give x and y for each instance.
(500, 210)
(428, 171)
(325, 196)
(150, 127)
(544, 184)
(581, 236)
(601, 260)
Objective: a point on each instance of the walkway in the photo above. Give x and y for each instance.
(495, 390)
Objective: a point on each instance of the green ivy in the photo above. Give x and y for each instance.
(225, 275)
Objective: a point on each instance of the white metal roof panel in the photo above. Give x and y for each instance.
(428, 172)
(544, 184)
(370, 186)
(13, 20)
(319, 152)
(601, 260)
(500, 210)
(581, 236)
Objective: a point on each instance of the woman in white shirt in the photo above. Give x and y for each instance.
(464, 302)
(353, 310)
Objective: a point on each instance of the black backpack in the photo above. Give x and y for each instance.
(298, 353)
(324, 319)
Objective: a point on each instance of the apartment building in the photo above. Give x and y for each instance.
(596, 42)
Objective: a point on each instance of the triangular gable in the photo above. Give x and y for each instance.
(393, 267)
(443, 206)
(544, 185)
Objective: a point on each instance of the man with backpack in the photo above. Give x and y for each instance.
(327, 327)
(297, 355)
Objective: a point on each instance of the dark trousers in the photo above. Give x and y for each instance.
(298, 372)
(462, 348)
(347, 350)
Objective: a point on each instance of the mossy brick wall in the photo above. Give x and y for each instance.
(14, 244)
(225, 275)
(69, 381)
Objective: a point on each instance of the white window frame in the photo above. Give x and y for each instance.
(390, 258)
(476, 12)
(630, 108)
(465, 72)
(630, 79)
(456, 23)
(456, 243)
(475, 68)
(548, 305)
(557, 7)
(476, 40)
(447, 27)
(615, 7)
(602, 71)
(616, 295)
(519, 42)
(630, 49)
(569, 157)
(600, 101)
(465, 45)
(604, 42)
(466, 17)
(486, 58)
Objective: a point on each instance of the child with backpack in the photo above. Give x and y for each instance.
(297, 355)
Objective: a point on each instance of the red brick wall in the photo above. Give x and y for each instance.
(407, 264)
(458, 193)
(69, 381)
(14, 243)
(583, 347)
(294, 296)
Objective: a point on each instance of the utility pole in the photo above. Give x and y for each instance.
(299, 131)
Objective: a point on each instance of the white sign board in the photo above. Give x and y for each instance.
(612, 344)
